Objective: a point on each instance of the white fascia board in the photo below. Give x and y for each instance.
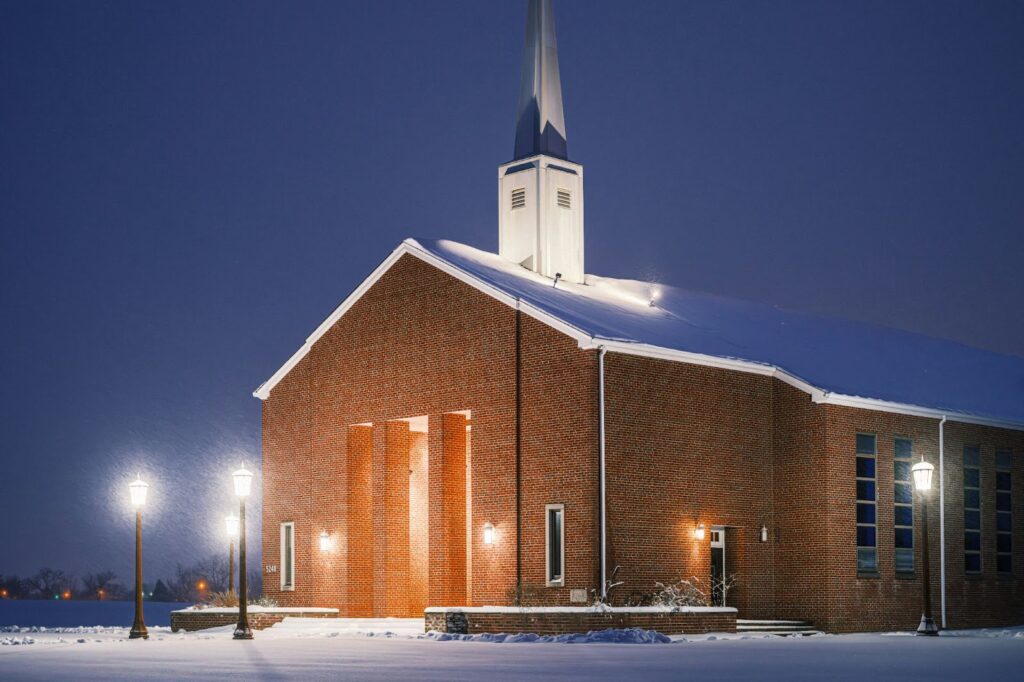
(915, 411)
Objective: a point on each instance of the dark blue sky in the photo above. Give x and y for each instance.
(188, 189)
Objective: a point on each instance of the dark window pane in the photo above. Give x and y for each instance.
(904, 561)
(972, 520)
(904, 537)
(1003, 502)
(971, 478)
(865, 513)
(972, 541)
(972, 499)
(972, 563)
(904, 516)
(1004, 460)
(865, 467)
(1004, 542)
(865, 536)
(865, 444)
(1003, 522)
(867, 560)
(1003, 480)
(902, 471)
(554, 544)
(866, 490)
(904, 493)
(972, 457)
(1004, 563)
(904, 448)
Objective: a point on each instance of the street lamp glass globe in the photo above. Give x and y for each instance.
(138, 490)
(243, 482)
(231, 521)
(922, 472)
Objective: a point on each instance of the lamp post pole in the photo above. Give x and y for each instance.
(922, 478)
(243, 484)
(231, 565)
(138, 493)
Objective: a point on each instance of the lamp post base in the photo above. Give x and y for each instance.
(927, 626)
(138, 632)
(242, 633)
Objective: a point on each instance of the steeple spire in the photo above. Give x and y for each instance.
(540, 122)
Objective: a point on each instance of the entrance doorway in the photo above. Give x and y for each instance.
(718, 591)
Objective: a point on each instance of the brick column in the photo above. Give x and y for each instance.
(360, 555)
(448, 510)
(392, 518)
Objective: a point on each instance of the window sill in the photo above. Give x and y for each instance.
(868, 575)
(556, 583)
(906, 576)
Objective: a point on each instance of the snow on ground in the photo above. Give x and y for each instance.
(396, 649)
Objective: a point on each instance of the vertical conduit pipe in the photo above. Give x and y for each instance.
(942, 518)
(601, 467)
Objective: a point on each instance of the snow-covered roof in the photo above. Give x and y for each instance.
(835, 361)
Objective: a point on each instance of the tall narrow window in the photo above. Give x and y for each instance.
(555, 536)
(867, 548)
(972, 509)
(903, 497)
(288, 556)
(1004, 512)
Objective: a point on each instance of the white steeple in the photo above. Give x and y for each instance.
(540, 192)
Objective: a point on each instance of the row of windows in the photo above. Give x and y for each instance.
(903, 507)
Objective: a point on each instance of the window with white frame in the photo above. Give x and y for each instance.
(555, 545)
(972, 509)
(288, 555)
(903, 499)
(1004, 512)
(867, 504)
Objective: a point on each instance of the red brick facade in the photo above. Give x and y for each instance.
(685, 444)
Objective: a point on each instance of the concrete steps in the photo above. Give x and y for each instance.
(785, 628)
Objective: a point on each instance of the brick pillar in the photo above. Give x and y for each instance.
(360, 554)
(393, 519)
(448, 510)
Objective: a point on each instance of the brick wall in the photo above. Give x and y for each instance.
(190, 621)
(557, 623)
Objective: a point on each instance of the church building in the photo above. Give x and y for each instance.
(470, 428)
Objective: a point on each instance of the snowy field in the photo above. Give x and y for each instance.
(397, 649)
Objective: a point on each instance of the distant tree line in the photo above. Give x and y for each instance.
(194, 583)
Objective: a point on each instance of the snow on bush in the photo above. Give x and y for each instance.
(692, 592)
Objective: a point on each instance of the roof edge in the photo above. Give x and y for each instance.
(587, 342)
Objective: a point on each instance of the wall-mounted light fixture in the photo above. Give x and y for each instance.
(698, 532)
(764, 533)
(488, 533)
(325, 541)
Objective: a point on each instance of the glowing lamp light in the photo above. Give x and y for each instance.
(922, 472)
(655, 295)
(325, 541)
(764, 533)
(488, 533)
(201, 585)
(138, 490)
(243, 482)
(231, 525)
(698, 532)
(67, 595)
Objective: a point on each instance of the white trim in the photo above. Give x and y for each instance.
(588, 342)
(290, 587)
(560, 582)
(603, 494)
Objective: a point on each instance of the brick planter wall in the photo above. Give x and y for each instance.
(556, 622)
(190, 621)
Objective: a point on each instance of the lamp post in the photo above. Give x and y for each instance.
(231, 521)
(138, 490)
(922, 472)
(243, 486)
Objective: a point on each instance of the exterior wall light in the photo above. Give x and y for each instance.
(138, 490)
(325, 541)
(488, 533)
(698, 532)
(764, 533)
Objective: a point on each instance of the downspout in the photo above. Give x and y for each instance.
(602, 545)
(519, 402)
(942, 518)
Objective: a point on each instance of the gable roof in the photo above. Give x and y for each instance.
(835, 361)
